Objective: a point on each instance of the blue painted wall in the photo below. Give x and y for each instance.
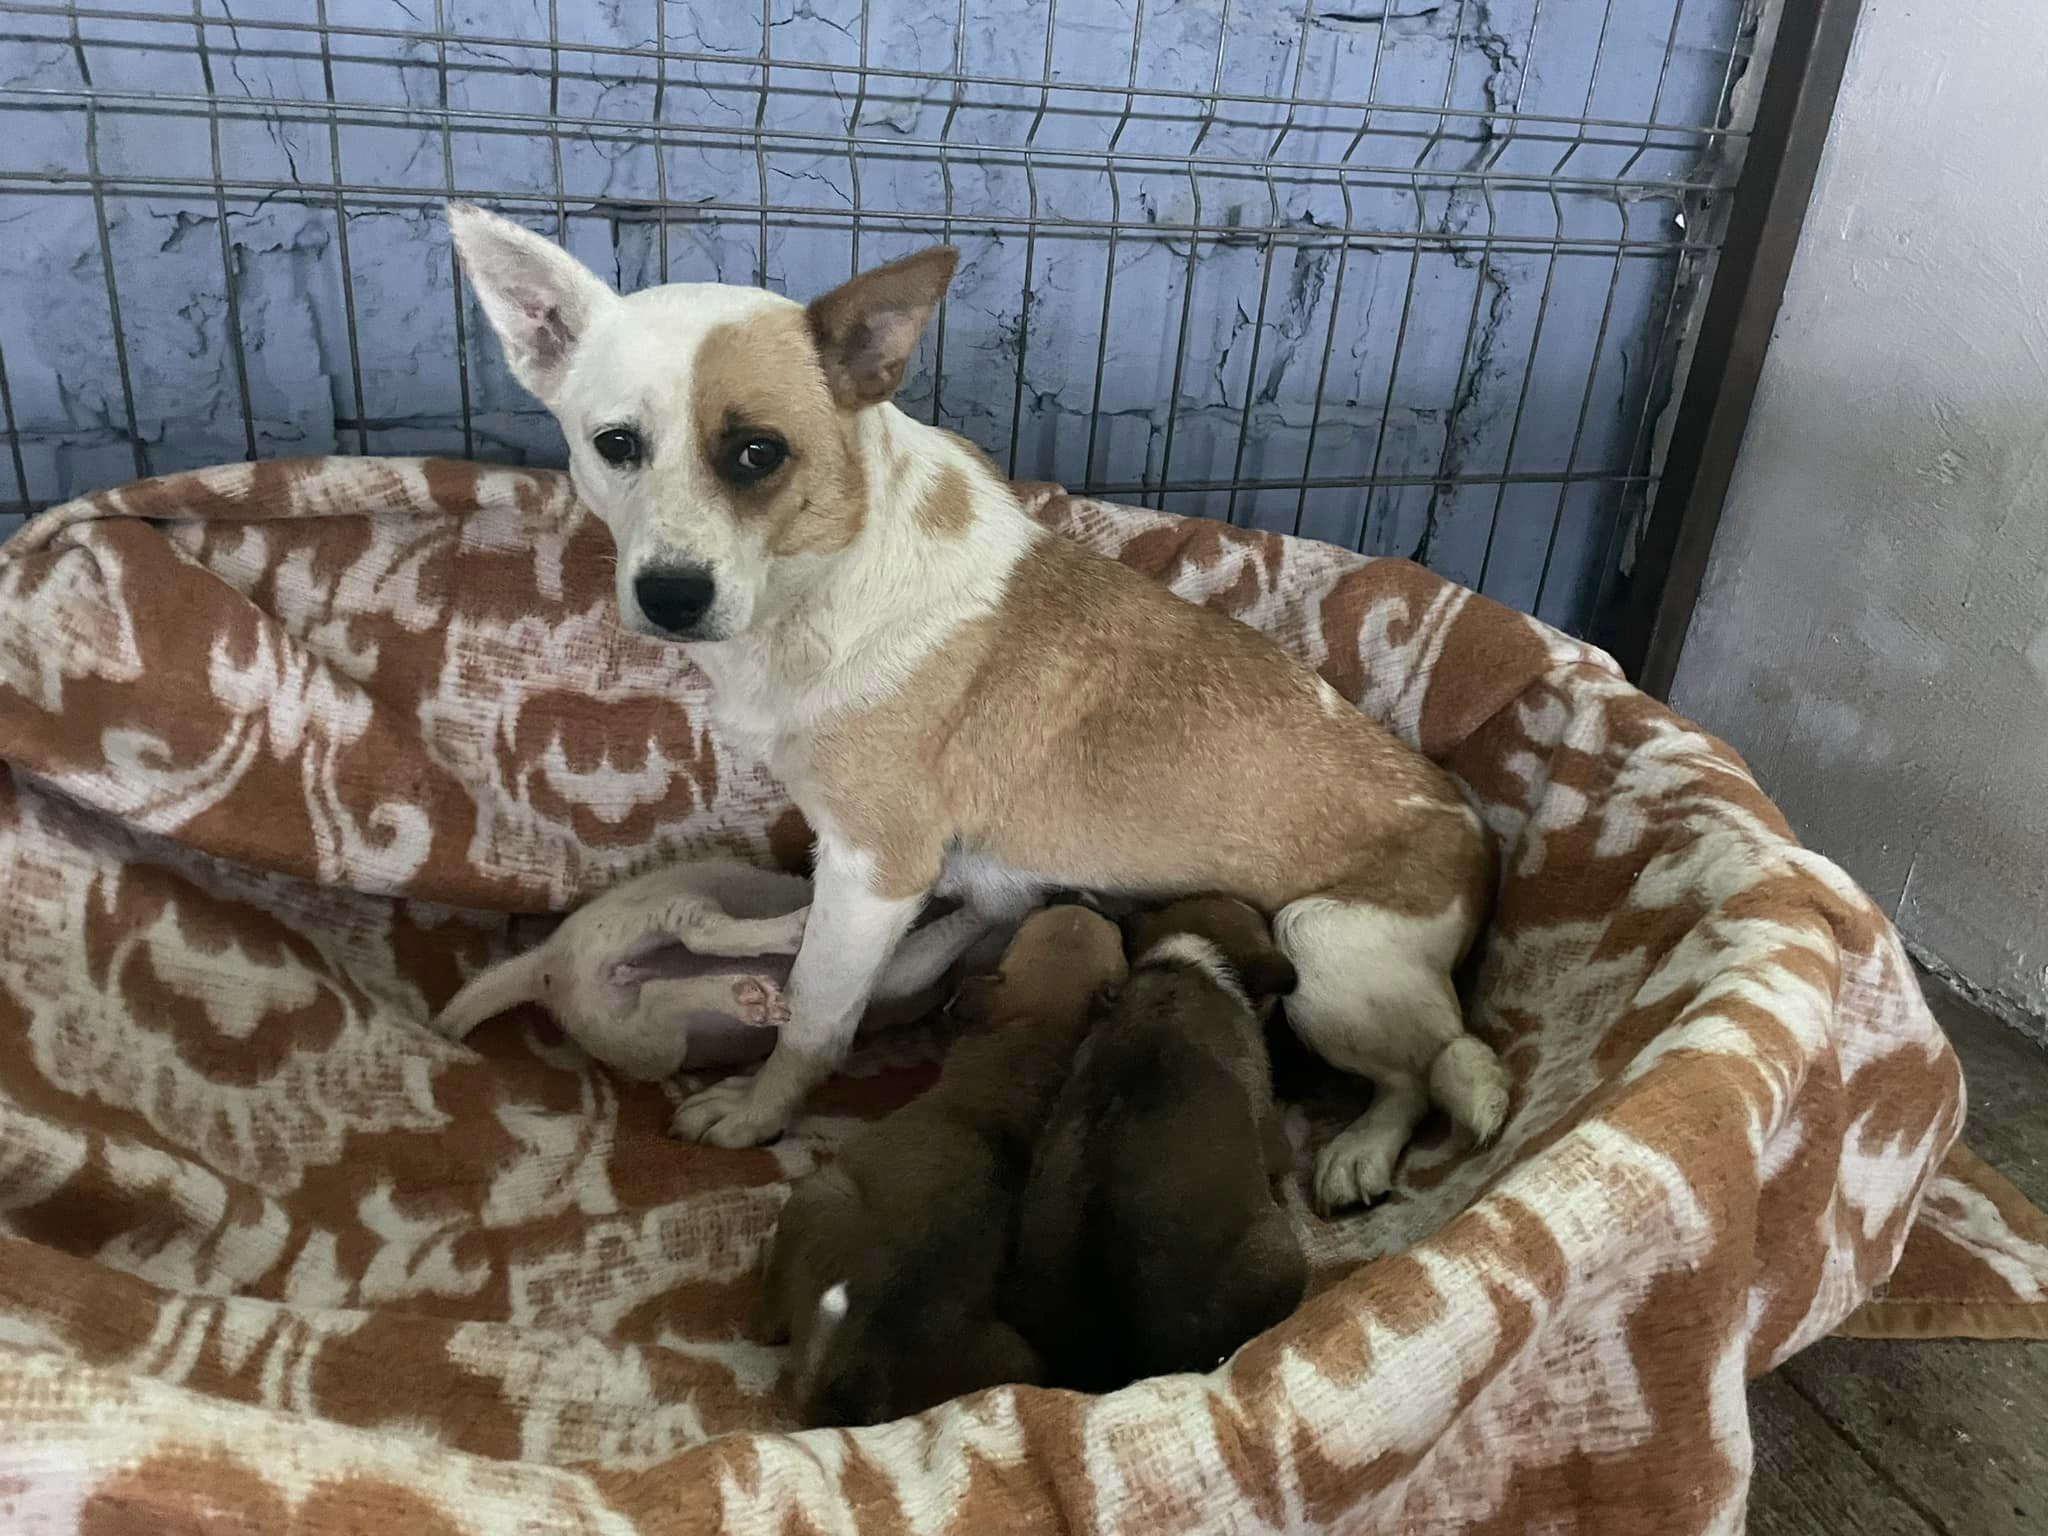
(1516, 358)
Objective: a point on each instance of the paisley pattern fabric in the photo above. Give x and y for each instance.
(287, 750)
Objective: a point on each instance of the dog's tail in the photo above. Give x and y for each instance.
(1469, 1083)
(489, 993)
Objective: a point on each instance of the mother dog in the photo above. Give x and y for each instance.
(962, 702)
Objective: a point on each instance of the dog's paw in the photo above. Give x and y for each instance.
(450, 1027)
(727, 1114)
(1489, 1114)
(759, 1003)
(1354, 1170)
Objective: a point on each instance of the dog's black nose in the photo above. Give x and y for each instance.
(675, 597)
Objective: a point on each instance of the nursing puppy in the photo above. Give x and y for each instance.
(884, 1271)
(959, 700)
(1235, 928)
(1150, 1241)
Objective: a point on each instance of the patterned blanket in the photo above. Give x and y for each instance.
(289, 749)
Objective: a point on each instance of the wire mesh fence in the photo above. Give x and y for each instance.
(1408, 277)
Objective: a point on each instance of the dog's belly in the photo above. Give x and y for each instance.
(1432, 861)
(982, 880)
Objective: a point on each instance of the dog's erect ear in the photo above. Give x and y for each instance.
(867, 328)
(539, 298)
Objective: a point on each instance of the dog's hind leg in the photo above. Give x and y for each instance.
(1469, 1083)
(1374, 998)
(704, 928)
(927, 953)
(991, 898)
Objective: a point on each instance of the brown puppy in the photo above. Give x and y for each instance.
(885, 1266)
(1233, 926)
(1150, 1241)
(1247, 942)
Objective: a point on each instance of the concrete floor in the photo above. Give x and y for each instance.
(1929, 1439)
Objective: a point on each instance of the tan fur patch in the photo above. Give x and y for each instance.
(761, 377)
(947, 511)
(1099, 729)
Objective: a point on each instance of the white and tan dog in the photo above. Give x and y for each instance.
(961, 701)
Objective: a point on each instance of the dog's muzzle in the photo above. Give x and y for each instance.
(675, 598)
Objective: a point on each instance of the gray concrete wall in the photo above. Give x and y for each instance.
(1874, 630)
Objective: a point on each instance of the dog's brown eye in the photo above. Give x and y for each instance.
(757, 458)
(618, 445)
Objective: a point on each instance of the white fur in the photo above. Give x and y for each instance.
(1193, 949)
(845, 633)
(852, 933)
(808, 635)
(1358, 962)
(833, 1305)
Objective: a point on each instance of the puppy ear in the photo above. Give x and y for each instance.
(539, 298)
(1268, 974)
(867, 328)
(489, 993)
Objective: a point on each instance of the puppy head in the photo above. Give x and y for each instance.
(1236, 929)
(713, 428)
(1058, 959)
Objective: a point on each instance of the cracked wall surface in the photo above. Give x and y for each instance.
(1873, 629)
(1435, 367)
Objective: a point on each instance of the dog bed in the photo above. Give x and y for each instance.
(291, 748)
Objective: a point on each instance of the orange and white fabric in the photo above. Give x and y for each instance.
(287, 750)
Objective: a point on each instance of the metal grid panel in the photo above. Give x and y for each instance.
(1405, 277)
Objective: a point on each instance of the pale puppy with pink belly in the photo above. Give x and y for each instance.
(962, 703)
(681, 967)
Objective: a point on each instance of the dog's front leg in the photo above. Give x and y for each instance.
(854, 927)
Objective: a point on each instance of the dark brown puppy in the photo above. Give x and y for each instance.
(1150, 1241)
(1234, 927)
(884, 1271)
(1268, 975)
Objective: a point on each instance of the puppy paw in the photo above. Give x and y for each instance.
(449, 1027)
(1354, 1170)
(728, 1114)
(759, 1003)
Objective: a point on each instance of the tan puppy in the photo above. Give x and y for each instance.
(884, 1270)
(1149, 1240)
(960, 701)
